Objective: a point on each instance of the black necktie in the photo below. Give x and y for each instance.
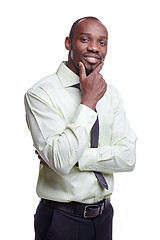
(94, 144)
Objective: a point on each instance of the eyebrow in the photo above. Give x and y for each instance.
(88, 34)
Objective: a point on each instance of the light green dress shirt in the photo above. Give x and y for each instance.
(60, 127)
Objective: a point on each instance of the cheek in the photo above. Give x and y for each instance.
(71, 55)
(75, 54)
(74, 58)
(79, 47)
(104, 53)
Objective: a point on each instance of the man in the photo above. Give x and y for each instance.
(65, 119)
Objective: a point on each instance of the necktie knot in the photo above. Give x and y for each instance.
(77, 86)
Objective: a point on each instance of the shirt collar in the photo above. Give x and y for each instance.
(67, 77)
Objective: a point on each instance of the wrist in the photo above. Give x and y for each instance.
(89, 103)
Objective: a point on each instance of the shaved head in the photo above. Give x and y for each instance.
(78, 21)
(86, 43)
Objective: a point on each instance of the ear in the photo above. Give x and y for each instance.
(68, 43)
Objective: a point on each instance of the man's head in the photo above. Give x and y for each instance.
(87, 43)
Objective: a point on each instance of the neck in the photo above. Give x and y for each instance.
(73, 67)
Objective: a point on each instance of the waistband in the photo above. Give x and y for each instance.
(80, 209)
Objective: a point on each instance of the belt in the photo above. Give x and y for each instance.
(80, 209)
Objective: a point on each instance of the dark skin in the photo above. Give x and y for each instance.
(87, 51)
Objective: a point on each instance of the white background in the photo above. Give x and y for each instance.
(32, 47)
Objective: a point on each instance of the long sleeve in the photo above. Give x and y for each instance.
(120, 154)
(60, 127)
(59, 141)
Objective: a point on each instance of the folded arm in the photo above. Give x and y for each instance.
(60, 144)
(120, 155)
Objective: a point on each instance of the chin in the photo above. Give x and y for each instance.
(90, 68)
(88, 71)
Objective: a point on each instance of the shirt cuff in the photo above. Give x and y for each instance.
(85, 117)
(88, 160)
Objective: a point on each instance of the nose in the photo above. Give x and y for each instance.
(93, 46)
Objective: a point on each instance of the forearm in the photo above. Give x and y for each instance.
(110, 159)
(58, 143)
(93, 86)
(62, 153)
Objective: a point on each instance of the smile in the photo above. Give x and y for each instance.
(92, 60)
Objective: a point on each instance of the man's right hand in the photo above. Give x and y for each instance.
(93, 86)
(41, 159)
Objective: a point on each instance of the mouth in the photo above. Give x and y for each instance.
(92, 58)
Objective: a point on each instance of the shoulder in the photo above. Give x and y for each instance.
(112, 92)
(114, 98)
(46, 82)
(44, 89)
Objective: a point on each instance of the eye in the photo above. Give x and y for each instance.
(102, 43)
(85, 40)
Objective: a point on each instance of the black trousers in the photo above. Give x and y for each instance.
(53, 224)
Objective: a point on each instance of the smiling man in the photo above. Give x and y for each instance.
(87, 43)
(82, 136)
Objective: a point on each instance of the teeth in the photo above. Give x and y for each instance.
(92, 59)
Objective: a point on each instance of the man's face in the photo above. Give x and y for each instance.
(88, 45)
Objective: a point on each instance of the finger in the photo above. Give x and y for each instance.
(82, 70)
(105, 86)
(101, 76)
(98, 68)
(43, 163)
(40, 157)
